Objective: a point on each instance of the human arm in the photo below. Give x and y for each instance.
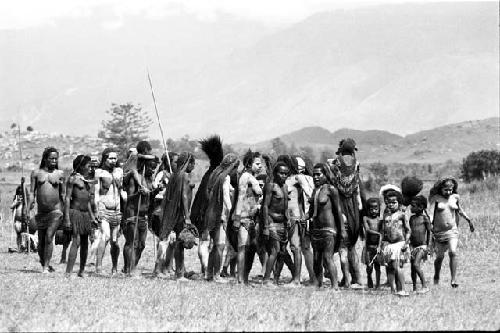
(427, 224)
(254, 183)
(67, 200)
(226, 193)
(186, 188)
(33, 188)
(406, 229)
(268, 189)
(337, 211)
(462, 213)
(242, 190)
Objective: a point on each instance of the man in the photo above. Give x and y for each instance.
(107, 196)
(176, 211)
(245, 213)
(139, 184)
(47, 188)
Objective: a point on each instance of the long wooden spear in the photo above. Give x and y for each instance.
(159, 121)
(162, 138)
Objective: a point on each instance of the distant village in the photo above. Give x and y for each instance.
(33, 142)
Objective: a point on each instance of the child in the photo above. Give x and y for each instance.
(373, 228)
(396, 233)
(444, 209)
(419, 240)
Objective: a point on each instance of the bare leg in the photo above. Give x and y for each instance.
(203, 253)
(242, 249)
(437, 267)
(273, 250)
(318, 266)
(295, 246)
(41, 246)
(391, 276)
(369, 270)
(308, 257)
(328, 257)
(179, 260)
(64, 250)
(453, 243)
(344, 265)
(377, 275)
(73, 253)
(399, 275)
(352, 257)
(49, 237)
(84, 249)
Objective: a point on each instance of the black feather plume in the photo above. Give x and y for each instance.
(212, 146)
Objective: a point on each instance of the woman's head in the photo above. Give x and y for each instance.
(81, 164)
(252, 161)
(50, 159)
(322, 174)
(108, 159)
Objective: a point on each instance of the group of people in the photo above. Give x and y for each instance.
(243, 207)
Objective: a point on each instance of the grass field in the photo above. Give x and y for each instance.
(31, 301)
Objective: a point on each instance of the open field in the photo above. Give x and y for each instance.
(32, 302)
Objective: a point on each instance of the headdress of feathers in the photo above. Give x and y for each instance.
(212, 146)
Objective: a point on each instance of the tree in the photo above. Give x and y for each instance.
(278, 147)
(127, 126)
(29, 129)
(481, 164)
(381, 172)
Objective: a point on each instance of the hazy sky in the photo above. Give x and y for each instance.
(27, 13)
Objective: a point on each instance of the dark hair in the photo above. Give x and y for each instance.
(165, 165)
(421, 201)
(46, 154)
(144, 148)
(373, 200)
(249, 157)
(291, 162)
(262, 176)
(325, 169)
(392, 193)
(105, 155)
(278, 165)
(79, 162)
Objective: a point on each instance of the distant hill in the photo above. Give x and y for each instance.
(393, 67)
(437, 145)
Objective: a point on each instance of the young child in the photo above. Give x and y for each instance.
(419, 240)
(396, 236)
(444, 210)
(373, 227)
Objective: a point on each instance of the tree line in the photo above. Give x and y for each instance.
(127, 124)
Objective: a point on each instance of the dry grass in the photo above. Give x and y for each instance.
(34, 302)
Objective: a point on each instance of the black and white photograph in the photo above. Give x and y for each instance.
(237, 165)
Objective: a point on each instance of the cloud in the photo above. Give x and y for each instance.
(27, 13)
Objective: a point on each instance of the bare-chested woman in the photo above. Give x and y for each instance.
(47, 187)
(78, 211)
(275, 217)
(327, 224)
